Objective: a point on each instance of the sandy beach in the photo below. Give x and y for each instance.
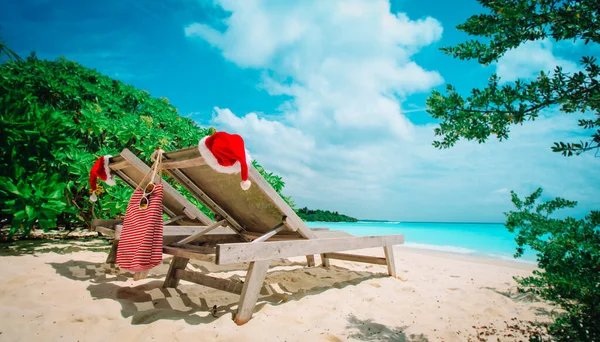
(63, 291)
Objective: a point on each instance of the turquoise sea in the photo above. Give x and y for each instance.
(491, 240)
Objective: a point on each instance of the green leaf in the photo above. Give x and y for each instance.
(14, 227)
(56, 194)
(20, 215)
(8, 185)
(30, 211)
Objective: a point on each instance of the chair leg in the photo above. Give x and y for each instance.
(310, 260)
(178, 263)
(325, 261)
(389, 257)
(112, 255)
(252, 285)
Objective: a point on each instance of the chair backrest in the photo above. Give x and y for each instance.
(132, 170)
(251, 213)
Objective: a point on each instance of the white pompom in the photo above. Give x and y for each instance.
(93, 197)
(245, 185)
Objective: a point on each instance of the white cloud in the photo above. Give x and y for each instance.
(349, 61)
(412, 180)
(343, 143)
(527, 60)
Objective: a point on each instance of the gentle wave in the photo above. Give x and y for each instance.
(460, 250)
(377, 222)
(512, 259)
(450, 249)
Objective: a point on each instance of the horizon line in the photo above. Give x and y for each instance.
(462, 222)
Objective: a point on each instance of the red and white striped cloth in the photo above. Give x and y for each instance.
(140, 245)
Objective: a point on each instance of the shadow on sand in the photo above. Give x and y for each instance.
(60, 246)
(196, 304)
(367, 330)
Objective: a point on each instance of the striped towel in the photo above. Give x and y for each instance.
(140, 245)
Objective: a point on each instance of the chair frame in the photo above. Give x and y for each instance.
(241, 244)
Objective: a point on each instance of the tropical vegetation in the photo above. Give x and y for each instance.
(568, 249)
(323, 215)
(56, 118)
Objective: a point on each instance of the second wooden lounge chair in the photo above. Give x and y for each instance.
(266, 229)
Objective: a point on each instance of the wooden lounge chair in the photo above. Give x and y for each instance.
(185, 218)
(265, 227)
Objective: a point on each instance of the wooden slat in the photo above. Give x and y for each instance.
(195, 236)
(176, 230)
(104, 223)
(119, 165)
(245, 252)
(357, 258)
(277, 237)
(187, 253)
(195, 248)
(174, 219)
(106, 231)
(211, 239)
(218, 234)
(190, 230)
(227, 285)
(270, 233)
(182, 164)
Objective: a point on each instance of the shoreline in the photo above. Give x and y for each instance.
(458, 252)
(473, 258)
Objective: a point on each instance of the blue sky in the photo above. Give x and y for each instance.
(329, 94)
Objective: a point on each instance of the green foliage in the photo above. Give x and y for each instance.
(323, 215)
(491, 111)
(56, 119)
(568, 254)
(568, 250)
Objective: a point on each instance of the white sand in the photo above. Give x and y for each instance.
(437, 297)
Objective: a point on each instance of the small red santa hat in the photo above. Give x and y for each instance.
(225, 153)
(102, 171)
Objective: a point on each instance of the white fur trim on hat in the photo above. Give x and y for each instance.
(245, 185)
(110, 180)
(214, 164)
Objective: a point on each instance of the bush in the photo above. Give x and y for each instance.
(568, 252)
(56, 118)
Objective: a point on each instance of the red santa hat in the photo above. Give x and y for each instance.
(102, 171)
(225, 153)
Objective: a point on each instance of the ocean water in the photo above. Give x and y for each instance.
(491, 240)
